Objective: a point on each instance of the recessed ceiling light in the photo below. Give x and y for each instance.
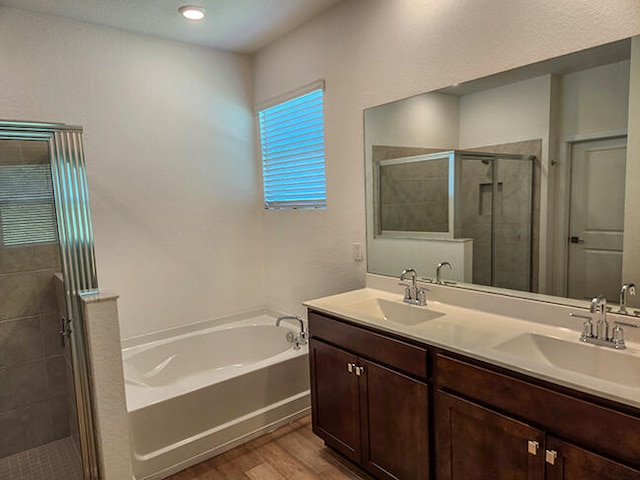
(191, 12)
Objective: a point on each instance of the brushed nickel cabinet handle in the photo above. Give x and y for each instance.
(550, 457)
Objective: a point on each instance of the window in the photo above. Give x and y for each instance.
(27, 212)
(292, 141)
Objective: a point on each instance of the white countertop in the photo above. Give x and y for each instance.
(487, 335)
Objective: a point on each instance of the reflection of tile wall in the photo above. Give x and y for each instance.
(33, 390)
(414, 196)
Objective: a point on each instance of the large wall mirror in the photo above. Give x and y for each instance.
(523, 181)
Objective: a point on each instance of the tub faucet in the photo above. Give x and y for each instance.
(627, 289)
(438, 268)
(297, 340)
(599, 305)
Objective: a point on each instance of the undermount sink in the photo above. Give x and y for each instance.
(394, 311)
(599, 362)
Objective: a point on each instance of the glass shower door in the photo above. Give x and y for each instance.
(46, 247)
(512, 224)
(494, 206)
(37, 407)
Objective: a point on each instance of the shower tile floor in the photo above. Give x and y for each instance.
(54, 461)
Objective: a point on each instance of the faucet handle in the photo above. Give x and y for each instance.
(587, 326)
(617, 337)
(422, 296)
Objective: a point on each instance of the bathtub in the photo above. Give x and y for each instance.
(200, 392)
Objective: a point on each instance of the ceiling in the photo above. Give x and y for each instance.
(238, 25)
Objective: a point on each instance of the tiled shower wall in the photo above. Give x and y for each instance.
(33, 369)
(414, 197)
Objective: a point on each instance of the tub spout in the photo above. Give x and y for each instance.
(301, 338)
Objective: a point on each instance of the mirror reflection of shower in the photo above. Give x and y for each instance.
(495, 206)
(457, 194)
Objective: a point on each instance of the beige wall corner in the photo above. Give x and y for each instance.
(631, 258)
(110, 408)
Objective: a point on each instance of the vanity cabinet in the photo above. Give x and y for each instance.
(405, 410)
(370, 399)
(574, 463)
(494, 426)
(476, 443)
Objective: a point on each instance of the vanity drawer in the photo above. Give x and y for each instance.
(394, 353)
(615, 434)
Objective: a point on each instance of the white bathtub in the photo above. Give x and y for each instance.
(196, 394)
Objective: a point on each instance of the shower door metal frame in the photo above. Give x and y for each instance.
(75, 236)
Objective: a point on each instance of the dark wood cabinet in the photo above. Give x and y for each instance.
(395, 416)
(569, 462)
(474, 443)
(403, 410)
(373, 414)
(336, 407)
(478, 435)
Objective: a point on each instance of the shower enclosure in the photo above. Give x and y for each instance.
(458, 194)
(495, 208)
(46, 260)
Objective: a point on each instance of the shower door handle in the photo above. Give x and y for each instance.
(65, 330)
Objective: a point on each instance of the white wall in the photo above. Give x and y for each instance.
(594, 101)
(511, 113)
(375, 51)
(170, 159)
(430, 120)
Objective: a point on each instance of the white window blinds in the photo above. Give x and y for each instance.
(292, 140)
(27, 212)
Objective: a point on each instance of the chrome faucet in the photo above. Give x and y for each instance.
(413, 294)
(599, 305)
(297, 340)
(627, 289)
(601, 336)
(440, 265)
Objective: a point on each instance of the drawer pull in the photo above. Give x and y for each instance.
(532, 447)
(550, 457)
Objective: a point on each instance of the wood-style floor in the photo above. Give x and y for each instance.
(291, 452)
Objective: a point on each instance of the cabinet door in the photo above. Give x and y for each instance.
(395, 408)
(474, 443)
(335, 397)
(573, 463)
